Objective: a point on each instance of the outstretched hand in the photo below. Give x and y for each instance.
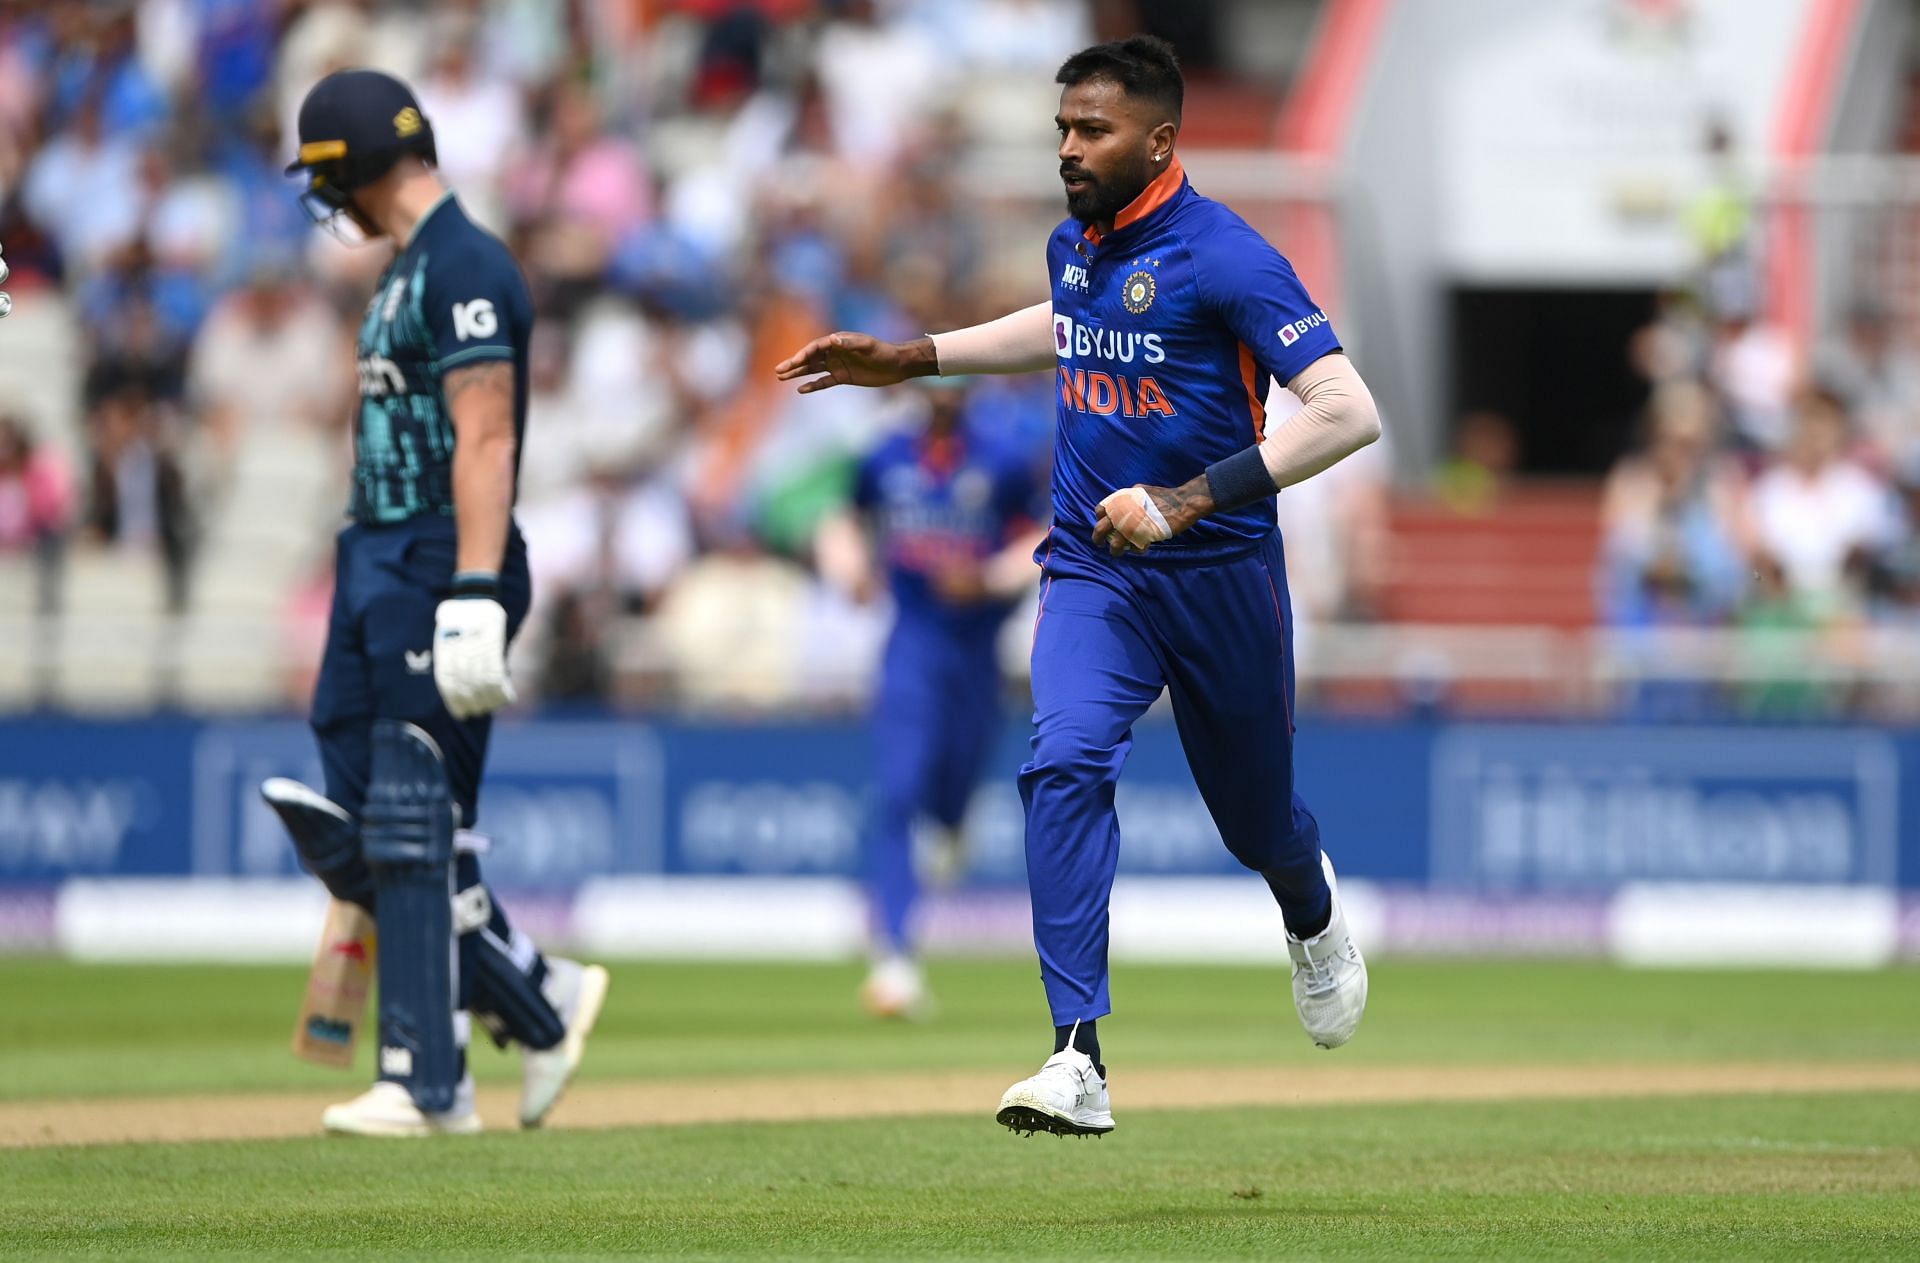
(856, 359)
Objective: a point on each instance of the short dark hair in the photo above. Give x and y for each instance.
(1144, 66)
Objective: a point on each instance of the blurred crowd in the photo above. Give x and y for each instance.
(693, 188)
(1772, 492)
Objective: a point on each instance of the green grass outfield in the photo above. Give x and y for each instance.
(1817, 1176)
(72, 1030)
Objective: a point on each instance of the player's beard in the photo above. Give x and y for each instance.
(1106, 196)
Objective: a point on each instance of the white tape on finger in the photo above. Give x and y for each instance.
(1161, 528)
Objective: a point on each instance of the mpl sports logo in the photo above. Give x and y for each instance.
(1290, 334)
(1073, 276)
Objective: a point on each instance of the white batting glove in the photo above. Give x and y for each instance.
(1136, 518)
(470, 656)
(6, 302)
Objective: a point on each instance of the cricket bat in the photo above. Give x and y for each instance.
(335, 1006)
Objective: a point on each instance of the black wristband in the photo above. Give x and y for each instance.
(1240, 480)
(476, 585)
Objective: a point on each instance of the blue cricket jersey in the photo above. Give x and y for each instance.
(937, 503)
(1168, 329)
(453, 296)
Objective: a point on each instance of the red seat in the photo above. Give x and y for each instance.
(1528, 558)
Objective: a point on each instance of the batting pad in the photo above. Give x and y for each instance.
(407, 836)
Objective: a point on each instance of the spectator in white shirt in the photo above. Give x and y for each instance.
(479, 122)
(882, 82)
(1753, 371)
(1818, 513)
(271, 353)
(83, 190)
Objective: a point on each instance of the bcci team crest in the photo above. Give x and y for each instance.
(1137, 295)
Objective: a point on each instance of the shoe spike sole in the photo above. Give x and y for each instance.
(1028, 1122)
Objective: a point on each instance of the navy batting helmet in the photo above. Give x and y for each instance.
(354, 125)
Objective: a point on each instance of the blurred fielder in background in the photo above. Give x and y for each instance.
(950, 511)
(1163, 569)
(431, 585)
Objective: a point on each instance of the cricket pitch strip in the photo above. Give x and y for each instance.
(786, 1098)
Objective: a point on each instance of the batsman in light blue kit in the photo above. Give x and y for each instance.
(1164, 570)
(430, 585)
(950, 509)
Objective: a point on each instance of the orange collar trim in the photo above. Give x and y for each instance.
(1151, 199)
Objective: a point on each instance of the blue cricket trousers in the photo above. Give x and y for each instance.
(1110, 634)
(934, 720)
(388, 581)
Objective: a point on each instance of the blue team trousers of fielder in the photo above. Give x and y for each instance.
(1110, 634)
(934, 719)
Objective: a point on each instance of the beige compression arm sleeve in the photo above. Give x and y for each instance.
(1337, 418)
(1019, 343)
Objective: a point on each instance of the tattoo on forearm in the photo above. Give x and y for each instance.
(492, 376)
(1186, 504)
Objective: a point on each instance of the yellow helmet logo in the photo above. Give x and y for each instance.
(407, 122)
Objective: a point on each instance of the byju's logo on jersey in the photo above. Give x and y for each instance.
(1071, 339)
(1074, 276)
(1290, 334)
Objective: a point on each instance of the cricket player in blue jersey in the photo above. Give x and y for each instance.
(430, 586)
(1163, 569)
(951, 512)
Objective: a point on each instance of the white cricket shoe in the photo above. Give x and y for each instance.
(387, 1109)
(1067, 1098)
(576, 992)
(1329, 976)
(896, 988)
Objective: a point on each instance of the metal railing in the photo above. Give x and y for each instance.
(244, 663)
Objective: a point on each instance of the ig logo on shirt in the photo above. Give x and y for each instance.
(474, 320)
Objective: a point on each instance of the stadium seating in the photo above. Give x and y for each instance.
(1528, 559)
